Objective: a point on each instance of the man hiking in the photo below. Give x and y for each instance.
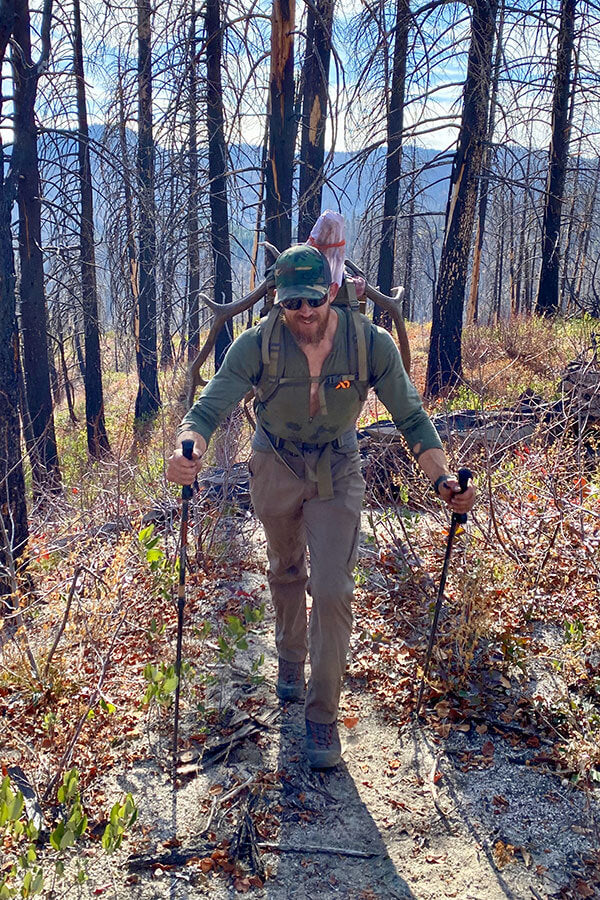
(311, 365)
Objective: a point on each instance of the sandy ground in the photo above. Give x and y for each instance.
(403, 816)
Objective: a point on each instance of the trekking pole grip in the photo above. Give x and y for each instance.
(463, 479)
(187, 448)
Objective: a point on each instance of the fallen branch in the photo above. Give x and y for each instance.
(217, 801)
(434, 794)
(222, 748)
(63, 624)
(308, 849)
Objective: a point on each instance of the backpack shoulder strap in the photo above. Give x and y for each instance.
(361, 344)
(270, 346)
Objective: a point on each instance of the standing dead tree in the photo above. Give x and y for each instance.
(282, 128)
(147, 401)
(444, 364)
(13, 508)
(97, 438)
(548, 301)
(26, 74)
(217, 167)
(393, 159)
(314, 114)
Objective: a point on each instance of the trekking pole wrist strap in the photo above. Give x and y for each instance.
(438, 481)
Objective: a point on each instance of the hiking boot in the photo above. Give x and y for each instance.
(290, 682)
(323, 746)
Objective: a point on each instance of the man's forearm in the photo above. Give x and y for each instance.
(434, 463)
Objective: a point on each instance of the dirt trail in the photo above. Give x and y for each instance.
(406, 815)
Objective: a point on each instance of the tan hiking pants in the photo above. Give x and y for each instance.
(294, 518)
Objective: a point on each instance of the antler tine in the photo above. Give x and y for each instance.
(223, 312)
(271, 248)
(393, 305)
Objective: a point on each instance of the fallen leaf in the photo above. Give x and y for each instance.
(488, 749)
(443, 729)
(215, 789)
(172, 842)
(481, 729)
(350, 721)
(584, 889)
(442, 709)
(503, 854)
(464, 726)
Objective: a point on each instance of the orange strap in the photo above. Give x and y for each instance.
(313, 243)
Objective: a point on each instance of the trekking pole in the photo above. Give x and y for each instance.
(457, 519)
(187, 448)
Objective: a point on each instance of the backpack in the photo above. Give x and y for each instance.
(272, 372)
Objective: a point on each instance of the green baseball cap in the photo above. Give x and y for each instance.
(302, 271)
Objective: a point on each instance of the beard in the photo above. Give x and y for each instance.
(308, 334)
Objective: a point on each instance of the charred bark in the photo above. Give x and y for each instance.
(45, 468)
(193, 244)
(13, 508)
(217, 169)
(282, 129)
(314, 114)
(486, 166)
(393, 161)
(147, 402)
(444, 367)
(548, 302)
(97, 438)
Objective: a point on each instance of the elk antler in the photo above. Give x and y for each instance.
(393, 306)
(223, 312)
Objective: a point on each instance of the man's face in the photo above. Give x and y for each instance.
(309, 324)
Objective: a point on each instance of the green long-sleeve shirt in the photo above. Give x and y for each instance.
(242, 369)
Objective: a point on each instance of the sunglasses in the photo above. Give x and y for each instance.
(295, 303)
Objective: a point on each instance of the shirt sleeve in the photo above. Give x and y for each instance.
(238, 373)
(398, 394)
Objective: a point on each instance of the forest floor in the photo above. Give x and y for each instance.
(493, 792)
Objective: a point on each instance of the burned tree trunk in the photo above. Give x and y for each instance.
(282, 130)
(45, 468)
(473, 301)
(147, 402)
(97, 439)
(13, 508)
(547, 302)
(393, 161)
(217, 168)
(444, 367)
(314, 114)
(193, 245)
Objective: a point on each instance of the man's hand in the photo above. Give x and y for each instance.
(182, 470)
(449, 492)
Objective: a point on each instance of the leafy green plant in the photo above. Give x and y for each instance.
(122, 817)
(14, 830)
(574, 633)
(25, 877)
(164, 571)
(162, 682)
(234, 637)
